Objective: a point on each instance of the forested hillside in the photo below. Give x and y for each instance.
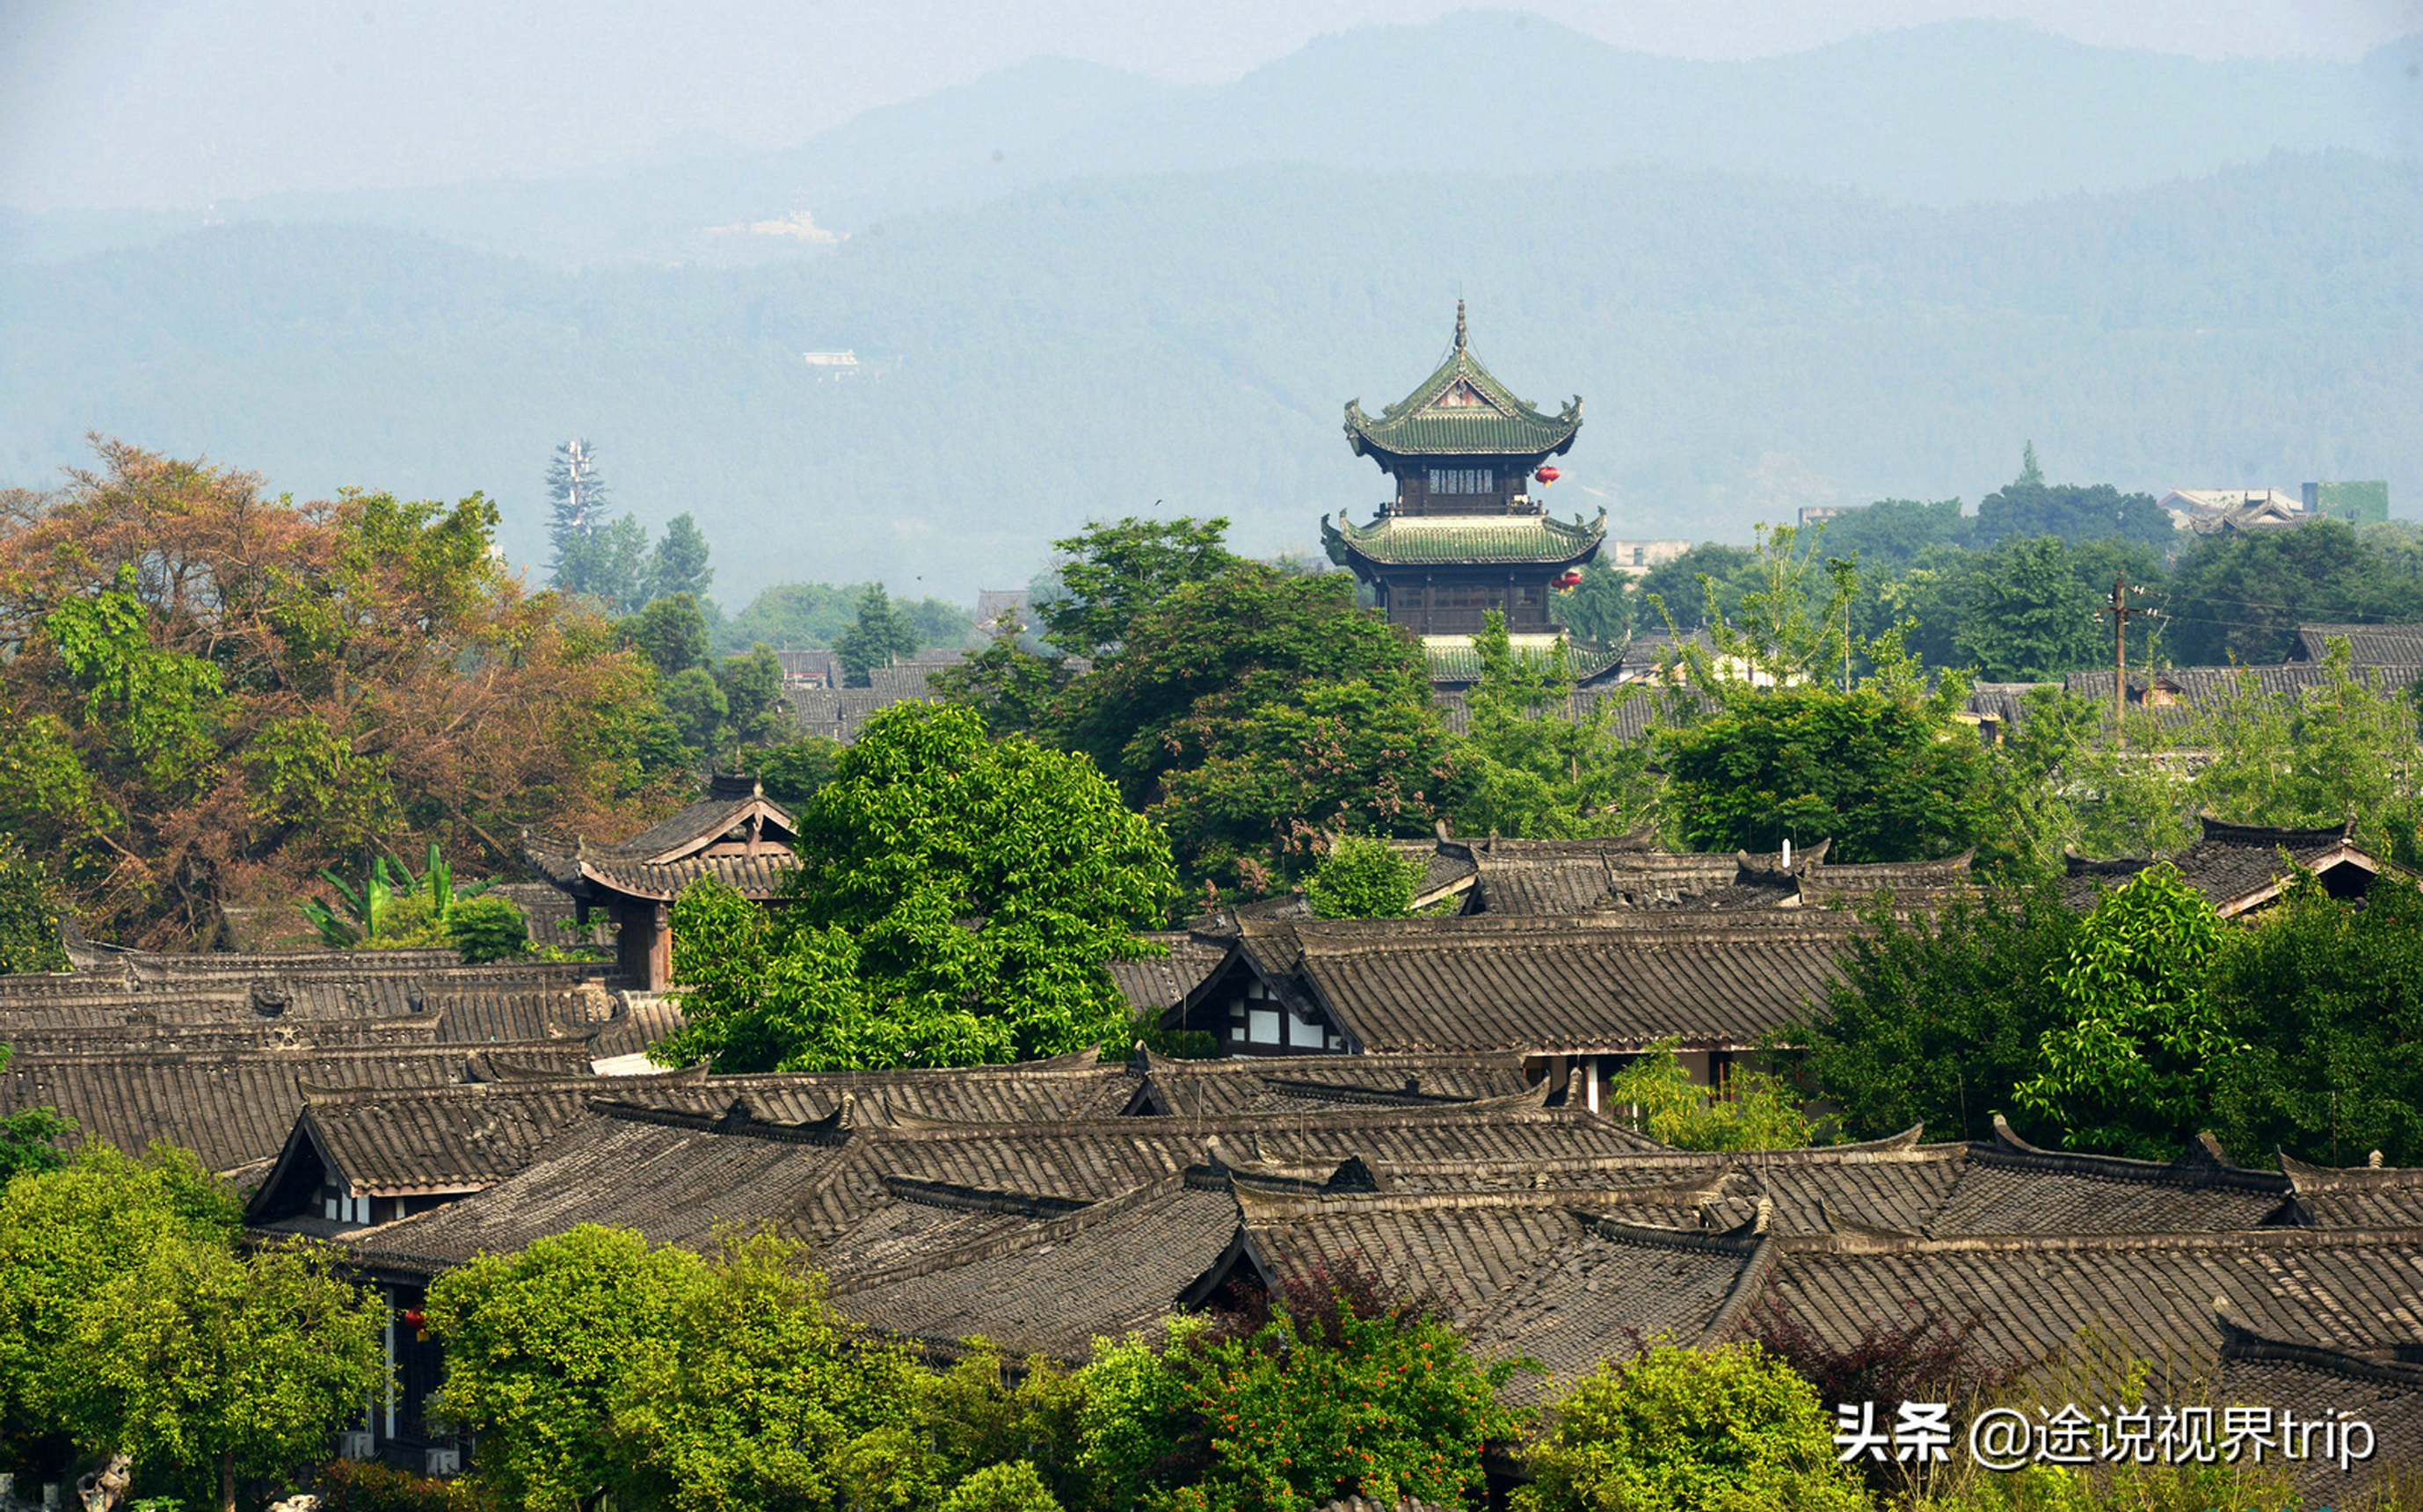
(1745, 347)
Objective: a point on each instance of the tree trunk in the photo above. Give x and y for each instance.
(101, 1489)
(227, 1480)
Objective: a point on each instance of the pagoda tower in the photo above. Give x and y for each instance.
(1464, 533)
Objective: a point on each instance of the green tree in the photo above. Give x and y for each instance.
(1893, 534)
(1013, 1486)
(1109, 574)
(30, 913)
(607, 566)
(2325, 997)
(1886, 778)
(2129, 1065)
(881, 635)
(1345, 755)
(1348, 1390)
(1603, 608)
(670, 632)
(2028, 506)
(1362, 878)
(1680, 589)
(753, 696)
(678, 565)
(2241, 597)
(698, 706)
(2025, 616)
(29, 1140)
(970, 888)
(2348, 749)
(793, 770)
(1015, 690)
(67, 1235)
(1753, 1111)
(227, 1364)
(1935, 1020)
(1676, 1429)
(1534, 765)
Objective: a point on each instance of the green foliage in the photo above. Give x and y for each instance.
(2350, 748)
(1935, 1021)
(2241, 597)
(1362, 878)
(1895, 534)
(1788, 621)
(206, 1358)
(159, 708)
(1603, 608)
(2130, 1066)
(677, 568)
(792, 771)
(29, 1141)
(590, 1360)
(1680, 589)
(392, 909)
(30, 913)
(1533, 766)
(2325, 998)
(2219, 1487)
(881, 635)
(1723, 1430)
(697, 705)
(1013, 688)
(1013, 1487)
(791, 615)
(1753, 1111)
(754, 708)
(488, 929)
(954, 901)
(670, 632)
(1886, 778)
(2028, 506)
(609, 566)
(1010, 1427)
(1112, 574)
(1347, 1392)
(2024, 617)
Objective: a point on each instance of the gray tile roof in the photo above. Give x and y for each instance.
(2236, 866)
(2392, 646)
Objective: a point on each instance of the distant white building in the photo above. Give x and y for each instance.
(1635, 557)
(834, 364)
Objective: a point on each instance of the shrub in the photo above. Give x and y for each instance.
(368, 1486)
(1013, 1487)
(1362, 878)
(1350, 1388)
(1689, 1430)
(487, 928)
(1754, 1111)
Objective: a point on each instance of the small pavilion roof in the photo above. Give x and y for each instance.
(1462, 410)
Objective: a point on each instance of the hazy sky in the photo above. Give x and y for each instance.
(124, 102)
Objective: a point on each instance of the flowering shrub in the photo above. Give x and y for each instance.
(1349, 1387)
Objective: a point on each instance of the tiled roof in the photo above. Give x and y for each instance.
(2236, 866)
(2150, 1296)
(1462, 410)
(1560, 984)
(2358, 1197)
(1512, 540)
(233, 1110)
(2397, 646)
(2316, 1381)
(2200, 686)
(1150, 986)
(758, 876)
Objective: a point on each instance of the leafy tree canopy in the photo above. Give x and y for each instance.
(30, 913)
(881, 635)
(1533, 764)
(2241, 597)
(1110, 573)
(213, 695)
(1935, 1021)
(1753, 1111)
(798, 615)
(2028, 506)
(955, 902)
(670, 632)
(678, 566)
(1676, 1429)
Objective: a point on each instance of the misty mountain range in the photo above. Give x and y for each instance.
(1871, 269)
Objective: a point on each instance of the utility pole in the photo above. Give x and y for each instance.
(2120, 615)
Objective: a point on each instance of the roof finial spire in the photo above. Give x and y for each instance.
(1459, 326)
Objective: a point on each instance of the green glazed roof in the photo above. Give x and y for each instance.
(1423, 540)
(1460, 663)
(1460, 410)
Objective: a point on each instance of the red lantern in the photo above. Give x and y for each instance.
(1547, 475)
(415, 1319)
